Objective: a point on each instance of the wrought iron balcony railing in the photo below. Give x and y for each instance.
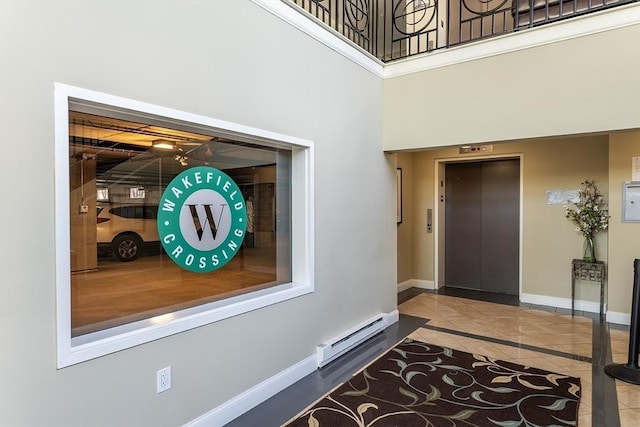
(396, 29)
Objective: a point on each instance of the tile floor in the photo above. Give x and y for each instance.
(541, 337)
(546, 340)
(628, 394)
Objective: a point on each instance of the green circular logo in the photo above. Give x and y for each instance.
(202, 219)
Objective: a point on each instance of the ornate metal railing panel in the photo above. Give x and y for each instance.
(351, 18)
(395, 29)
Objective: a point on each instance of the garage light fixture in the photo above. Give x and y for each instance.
(136, 193)
(163, 144)
(102, 194)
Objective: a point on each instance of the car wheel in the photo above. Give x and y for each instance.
(126, 247)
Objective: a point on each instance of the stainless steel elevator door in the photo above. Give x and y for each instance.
(482, 233)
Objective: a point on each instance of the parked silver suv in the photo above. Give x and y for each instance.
(123, 229)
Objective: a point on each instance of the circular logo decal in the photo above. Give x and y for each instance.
(202, 219)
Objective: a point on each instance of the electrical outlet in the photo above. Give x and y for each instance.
(164, 379)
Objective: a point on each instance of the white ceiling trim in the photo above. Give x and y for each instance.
(305, 23)
(606, 20)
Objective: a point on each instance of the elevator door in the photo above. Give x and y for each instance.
(482, 215)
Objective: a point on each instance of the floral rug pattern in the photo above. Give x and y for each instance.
(420, 384)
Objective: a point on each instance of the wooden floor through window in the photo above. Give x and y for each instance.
(118, 293)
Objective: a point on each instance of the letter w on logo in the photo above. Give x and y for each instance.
(200, 227)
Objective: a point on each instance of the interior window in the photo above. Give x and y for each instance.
(167, 221)
(124, 268)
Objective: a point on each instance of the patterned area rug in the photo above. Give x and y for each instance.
(420, 384)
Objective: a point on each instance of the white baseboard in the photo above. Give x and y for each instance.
(545, 300)
(581, 305)
(588, 306)
(415, 283)
(254, 396)
(619, 318)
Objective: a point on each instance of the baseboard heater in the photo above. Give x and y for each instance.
(344, 342)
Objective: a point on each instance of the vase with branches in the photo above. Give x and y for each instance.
(590, 215)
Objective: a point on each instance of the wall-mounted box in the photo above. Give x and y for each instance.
(631, 201)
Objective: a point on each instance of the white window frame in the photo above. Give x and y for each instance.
(70, 350)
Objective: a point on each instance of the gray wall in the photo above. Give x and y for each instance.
(225, 59)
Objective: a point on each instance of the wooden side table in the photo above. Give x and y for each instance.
(588, 271)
